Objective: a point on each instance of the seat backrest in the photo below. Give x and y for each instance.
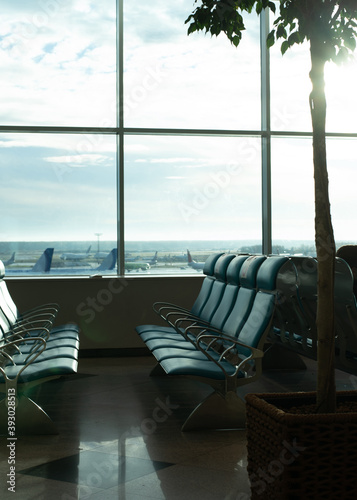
(344, 283)
(345, 317)
(245, 296)
(248, 273)
(294, 322)
(230, 292)
(218, 287)
(349, 254)
(8, 306)
(2, 270)
(295, 318)
(207, 283)
(256, 327)
(4, 326)
(210, 263)
(306, 268)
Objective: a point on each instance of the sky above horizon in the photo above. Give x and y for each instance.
(58, 60)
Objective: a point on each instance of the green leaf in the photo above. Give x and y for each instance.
(271, 39)
(281, 32)
(294, 38)
(284, 47)
(192, 28)
(235, 40)
(272, 6)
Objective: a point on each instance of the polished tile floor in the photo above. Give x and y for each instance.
(119, 437)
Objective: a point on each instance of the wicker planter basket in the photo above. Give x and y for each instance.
(301, 456)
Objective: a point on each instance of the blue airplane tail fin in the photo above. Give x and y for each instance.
(109, 262)
(43, 265)
(10, 261)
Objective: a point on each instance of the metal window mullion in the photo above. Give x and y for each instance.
(120, 140)
(266, 135)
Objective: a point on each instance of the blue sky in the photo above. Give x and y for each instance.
(58, 68)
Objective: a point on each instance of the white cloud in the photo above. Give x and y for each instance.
(80, 161)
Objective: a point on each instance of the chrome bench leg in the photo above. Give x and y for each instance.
(30, 419)
(217, 412)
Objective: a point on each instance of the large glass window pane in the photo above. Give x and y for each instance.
(342, 168)
(293, 210)
(58, 191)
(200, 191)
(180, 81)
(290, 89)
(341, 97)
(57, 62)
(293, 193)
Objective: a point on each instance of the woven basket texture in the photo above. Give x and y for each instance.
(294, 456)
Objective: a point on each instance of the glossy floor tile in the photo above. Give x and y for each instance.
(119, 437)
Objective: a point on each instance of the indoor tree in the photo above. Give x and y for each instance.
(330, 28)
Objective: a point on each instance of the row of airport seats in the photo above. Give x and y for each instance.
(220, 340)
(32, 351)
(294, 325)
(248, 307)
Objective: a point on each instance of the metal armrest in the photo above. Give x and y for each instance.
(45, 317)
(51, 306)
(30, 359)
(158, 307)
(25, 334)
(36, 325)
(209, 340)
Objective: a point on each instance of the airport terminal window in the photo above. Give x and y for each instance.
(342, 164)
(292, 196)
(200, 193)
(173, 80)
(291, 86)
(55, 195)
(125, 144)
(58, 63)
(290, 89)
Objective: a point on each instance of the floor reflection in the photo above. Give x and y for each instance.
(120, 437)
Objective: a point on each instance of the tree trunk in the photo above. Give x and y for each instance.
(324, 237)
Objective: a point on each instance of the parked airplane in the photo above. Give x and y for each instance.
(76, 256)
(134, 266)
(43, 265)
(192, 263)
(9, 261)
(153, 261)
(108, 264)
(100, 255)
(139, 263)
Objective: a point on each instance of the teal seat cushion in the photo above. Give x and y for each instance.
(197, 368)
